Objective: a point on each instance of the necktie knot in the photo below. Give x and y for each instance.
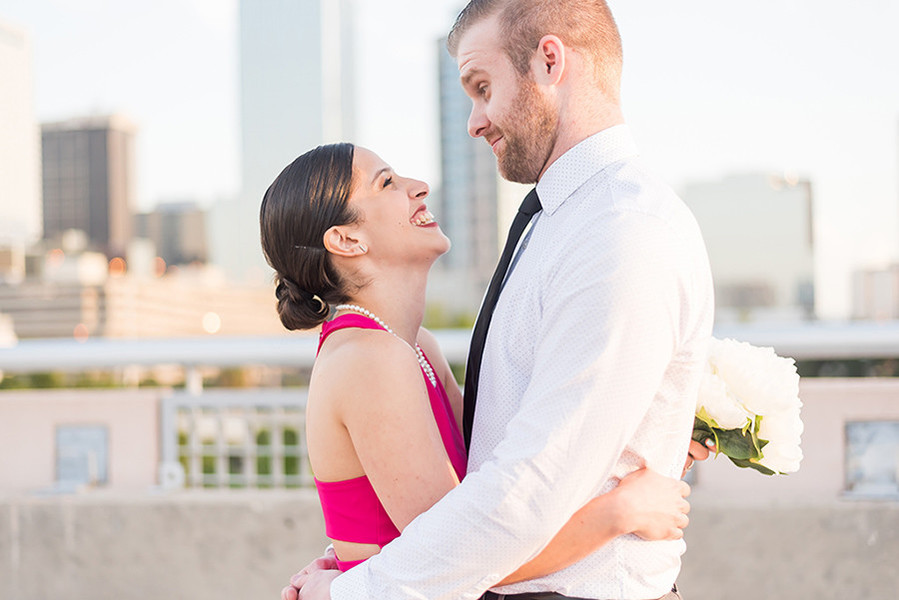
(531, 204)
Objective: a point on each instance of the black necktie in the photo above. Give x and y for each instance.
(528, 208)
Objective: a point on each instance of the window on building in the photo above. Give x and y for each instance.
(872, 458)
(82, 455)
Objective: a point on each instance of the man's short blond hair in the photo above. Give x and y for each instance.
(585, 25)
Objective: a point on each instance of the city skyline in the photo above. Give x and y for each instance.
(708, 94)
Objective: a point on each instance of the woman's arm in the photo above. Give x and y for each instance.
(385, 409)
(645, 503)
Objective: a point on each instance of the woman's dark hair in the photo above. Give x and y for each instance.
(310, 196)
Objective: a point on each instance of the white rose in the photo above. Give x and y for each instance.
(762, 382)
(719, 404)
(783, 431)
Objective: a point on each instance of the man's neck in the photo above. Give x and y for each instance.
(576, 126)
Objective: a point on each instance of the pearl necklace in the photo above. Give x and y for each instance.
(425, 366)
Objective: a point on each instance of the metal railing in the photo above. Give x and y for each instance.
(234, 439)
(814, 340)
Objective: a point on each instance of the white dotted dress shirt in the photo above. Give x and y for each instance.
(591, 368)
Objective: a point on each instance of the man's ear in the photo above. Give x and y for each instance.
(549, 60)
(340, 241)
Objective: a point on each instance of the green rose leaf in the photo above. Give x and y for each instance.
(736, 444)
(747, 464)
(742, 446)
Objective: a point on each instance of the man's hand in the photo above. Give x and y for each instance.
(698, 452)
(326, 564)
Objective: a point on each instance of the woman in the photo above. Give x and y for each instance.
(346, 234)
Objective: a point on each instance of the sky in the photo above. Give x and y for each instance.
(710, 88)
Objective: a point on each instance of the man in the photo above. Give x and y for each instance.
(593, 355)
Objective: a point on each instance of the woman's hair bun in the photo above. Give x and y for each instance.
(299, 308)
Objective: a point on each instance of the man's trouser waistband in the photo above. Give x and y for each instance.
(555, 596)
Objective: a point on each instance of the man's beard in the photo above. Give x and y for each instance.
(529, 143)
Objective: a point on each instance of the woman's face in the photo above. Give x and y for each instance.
(395, 223)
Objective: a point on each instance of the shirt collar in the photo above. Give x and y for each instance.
(587, 158)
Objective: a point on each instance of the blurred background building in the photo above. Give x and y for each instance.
(296, 92)
(88, 169)
(758, 230)
(876, 293)
(20, 176)
(178, 232)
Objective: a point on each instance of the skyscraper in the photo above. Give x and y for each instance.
(759, 233)
(296, 82)
(20, 178)
(296, 92)
(476, 205)
(88, 176)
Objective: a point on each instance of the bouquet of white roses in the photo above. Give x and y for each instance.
(749, 405)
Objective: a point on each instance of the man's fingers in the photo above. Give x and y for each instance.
(289, 593)
(698, 451)
(299, 579)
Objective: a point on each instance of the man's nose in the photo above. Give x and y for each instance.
(478, 123)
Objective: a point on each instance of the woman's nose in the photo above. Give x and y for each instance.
(418, 189)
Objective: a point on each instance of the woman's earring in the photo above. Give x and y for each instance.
(362, 247)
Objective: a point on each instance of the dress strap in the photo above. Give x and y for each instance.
(345, 322)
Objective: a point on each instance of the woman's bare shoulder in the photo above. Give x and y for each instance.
(366, 363)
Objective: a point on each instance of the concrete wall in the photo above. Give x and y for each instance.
(228, 545)
(244, 545)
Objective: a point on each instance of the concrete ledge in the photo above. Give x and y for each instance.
(842, 550)
(236, 545)
(229, 545)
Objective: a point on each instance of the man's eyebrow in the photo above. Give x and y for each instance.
(469, 75)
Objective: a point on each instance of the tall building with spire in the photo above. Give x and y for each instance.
(296, 92)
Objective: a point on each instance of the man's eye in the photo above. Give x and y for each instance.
(482, 90)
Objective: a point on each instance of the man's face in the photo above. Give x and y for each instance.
(508, 110)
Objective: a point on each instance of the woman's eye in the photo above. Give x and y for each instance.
(388, 181)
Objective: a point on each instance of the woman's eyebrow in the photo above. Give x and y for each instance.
(378, 174)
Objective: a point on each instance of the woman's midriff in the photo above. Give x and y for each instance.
(353, 551)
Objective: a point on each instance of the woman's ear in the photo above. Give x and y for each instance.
(338, 240)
